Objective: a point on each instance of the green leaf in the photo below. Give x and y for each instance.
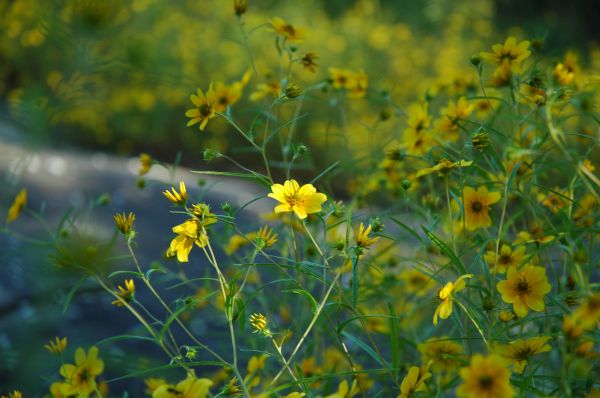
(446, 250)
(327, 170)
(306, 294)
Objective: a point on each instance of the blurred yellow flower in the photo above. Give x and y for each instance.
(446, 296)
(145, 163)
(301, 200)
(126, 293)
(293, 34)
(57, 346)
(188, 234)
(204, 108)
(525, 289)
(259, 323)
(443, 166)
(191, 387)
(519, 351)
(510, 53)
(486, 377)
(80, 378)
(124, 222)
(178, 198)
(443, 353)
(414, 381)
(508, 258)
(362, 237)
(345, 391)
(17, 206)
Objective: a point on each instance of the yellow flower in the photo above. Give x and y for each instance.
(563, 74)
(14, 394)
(508, 258)
(414, 381)
(228, 94)
(301, 200)
(588, 314)
(510, 53)
(416, 282)
(57, 346)
(81, 377)
(188, 234)
(451, 115)
(362, 237)
(355, 84)
(519, 351)
(477, 207)
(191, 387)
(291, 33)
(525, 289)
(259, 323)
(418, 143)
(17, 206)
(442, 167)
(265, 237)
(145, 163)
(443, 353)
(308, 61)
(446, 296)
(532, 94)
(265, 89)
(204, 108)
(152, 383)
(126, 293)
(554, 201)
(344, 391)
(124, 223)
(178, 198)
(486, 377)
(501, 76)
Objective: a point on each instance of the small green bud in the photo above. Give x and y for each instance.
(406, 184)
(293, 90)
(475, 60)
(210, 154)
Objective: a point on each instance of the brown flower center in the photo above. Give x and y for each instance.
(522, 286)
(205, 110)
(477, 206)
(293, 199)
(504, 259)
(486, 382)
(524, 353)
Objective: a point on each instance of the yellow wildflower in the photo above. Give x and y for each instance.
(525, 289)
(446, 297)
(81, 377)
(588, 314)
(562, 74)
(301, 200)
(510, 53)
(188, 234)
(57, 346)
(126, 293)
(414, 381)
(451, 115)
(443, 353)
(124, 223)
(442, 167)
(204, 108)
(152, 383)
(477, 207)
(308, 61)
(145, 163)
(293, 34)
(259, 323)
(178, 198)
(266, 89)
(362, 237)
(508, 258)
(486, 377)
(345, 391)
(191, 387)
(17, 206)
(519, 351)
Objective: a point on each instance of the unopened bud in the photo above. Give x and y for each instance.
(293, 90)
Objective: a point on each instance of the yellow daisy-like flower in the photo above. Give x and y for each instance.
(446, 296)
(191, 387)
(443, 167)
(126, 293)
(301, 200)
(588, 314)
(57, 346)
(265, 237)
(508, 258)
(17, 206)
(188, 234)
(355, 84)
(519, 351)
(266, 89)
(563, 74)
(486, 377)
(145, 163)
(81, 377)
(124, 222)
(152, 383)
(451, 115)
(362, 237)
(477, 207)
(345, 391)
(525, 289)
(510, 53)
(416, 282)
(443, 353)
(204, 108)
(293, 34)
(178, 198)
(414, 381)
(260, 324)
(14, 394)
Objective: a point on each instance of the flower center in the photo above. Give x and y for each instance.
(204, 109)
(477, 206)
(504, 259)
(486, 382)
(522, 286)
(523, 353)
(293, 199)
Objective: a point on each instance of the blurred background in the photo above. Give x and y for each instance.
(87, 85)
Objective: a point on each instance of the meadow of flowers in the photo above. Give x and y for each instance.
(434, 201)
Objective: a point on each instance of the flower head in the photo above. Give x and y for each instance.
(301, 200)
(80, 378)
(57, 346)
(308, 61)
(17, 206)
(362, 237)
(525, 289)
(145, 163)
(204, 108)
(477, 207)
(519, 351)
(178, 198)
(191, 387)
(293, 34)
(265, 237)
(259, 323)
(507, 258)
(443, 167)
(414, 381)
(188, 234)
(124, 223)
(125, 294)
(446, 296)
(510, 53)
(443, 353)
(486, 377)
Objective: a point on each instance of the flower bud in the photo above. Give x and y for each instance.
(293, 90)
